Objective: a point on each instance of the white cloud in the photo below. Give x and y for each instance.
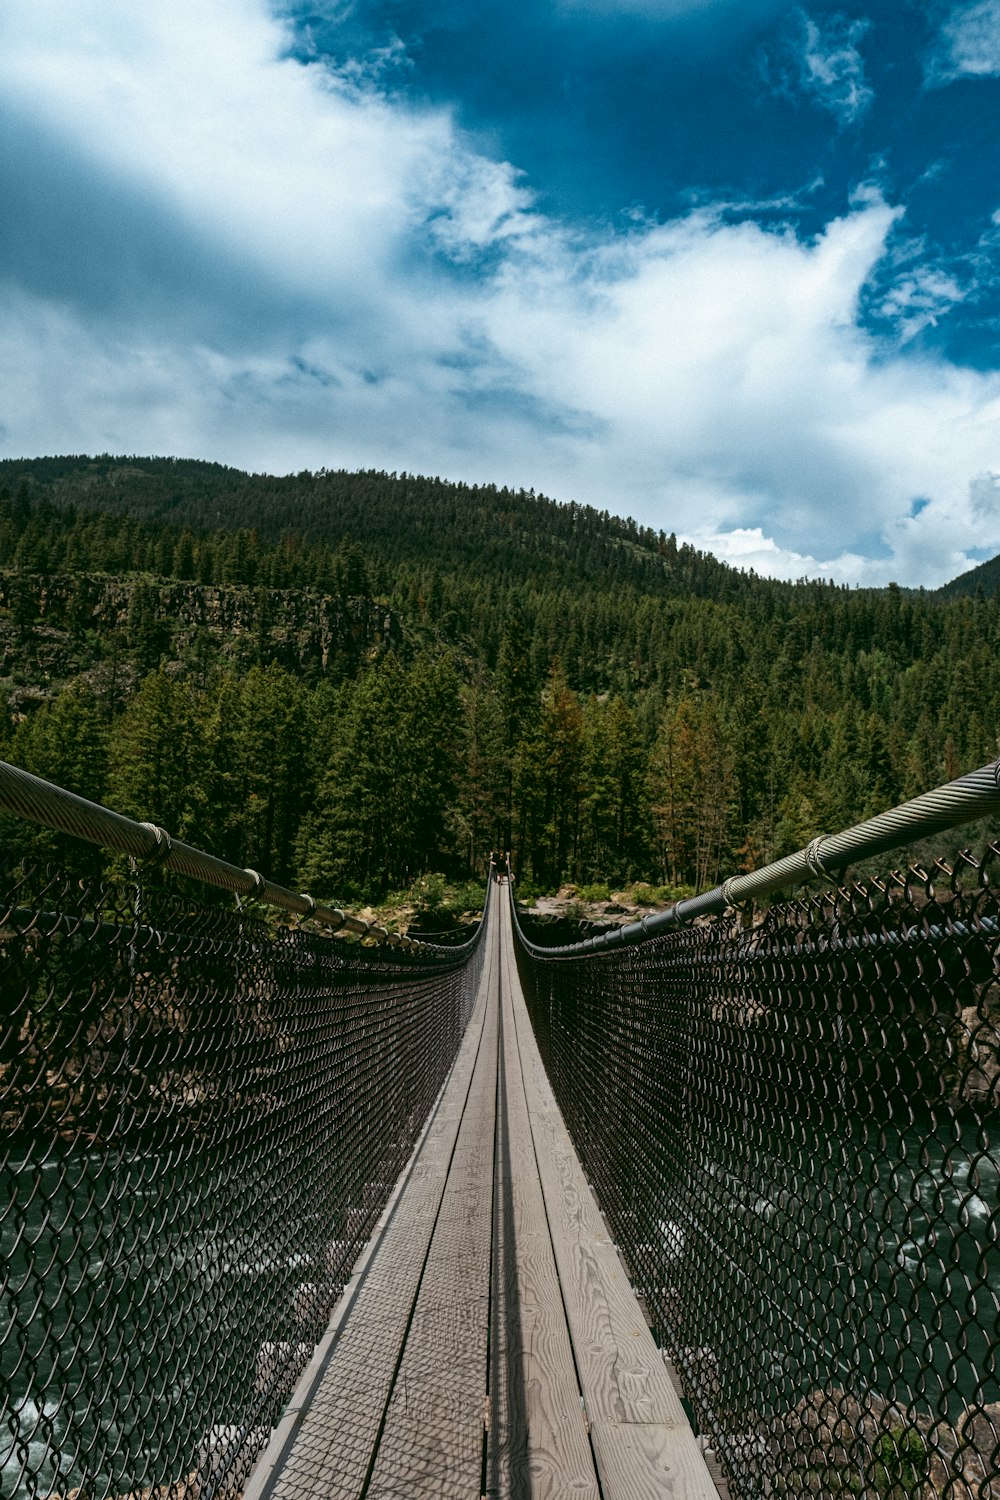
(924, 553)
(747, 547)
(917, 299)
(296, 164)
(968, 45)
(831, 67)
(707, 377)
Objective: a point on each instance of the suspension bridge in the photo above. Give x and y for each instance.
(705, 1205)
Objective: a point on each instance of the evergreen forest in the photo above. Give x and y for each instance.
(348, 680)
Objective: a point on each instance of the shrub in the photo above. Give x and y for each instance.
(597, 892)
(901, 1465)
(660, 895)
(428, 891)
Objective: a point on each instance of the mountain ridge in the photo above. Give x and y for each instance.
(314, 504)
(984, 577)
(393, 511)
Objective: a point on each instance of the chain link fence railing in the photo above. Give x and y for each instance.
(201, 1118)
(790, 1119)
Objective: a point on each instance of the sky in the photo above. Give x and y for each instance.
(731, 267)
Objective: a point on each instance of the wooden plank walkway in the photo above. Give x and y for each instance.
(489, 1342)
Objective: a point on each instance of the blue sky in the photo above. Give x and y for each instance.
(729, 266)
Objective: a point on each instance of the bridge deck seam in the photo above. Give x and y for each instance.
(326, 1438)
(643, 1445)
(493, 1265)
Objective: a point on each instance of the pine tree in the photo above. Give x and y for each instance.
(548, 786)
(518, 708)
(382, 808)
(147, 633)
(689, 790)
(257, 743)
(614, 763)
(482, 816)
(65, 742)
(160, 760)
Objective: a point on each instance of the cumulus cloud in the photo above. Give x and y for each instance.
(297, 164)
(968, 45)
(383, 294)
(927, 551)
(748, 548)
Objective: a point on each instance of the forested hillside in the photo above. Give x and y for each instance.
(346, 680)
(984, 579)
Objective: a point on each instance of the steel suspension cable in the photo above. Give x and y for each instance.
(976, 795)
(40, 801)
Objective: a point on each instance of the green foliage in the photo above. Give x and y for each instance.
(657, 896)
(66, 742)
(898, 1469)
(690, 773)
(614, 813)
(258, 745)
(548, 771)
(436, 901)
(381, 806)
(428, 891)
(594, 892)
(159, 756)
(550, 680)
(901, 1465)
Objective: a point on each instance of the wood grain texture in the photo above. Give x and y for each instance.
(642, 1460)
(432, 1443)
(494, 1221)
(335, 1435)
(642, 1442)
(538, 1446)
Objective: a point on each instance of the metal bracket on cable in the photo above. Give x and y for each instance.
(743, 909)
(815, 862)
(311, 903)
(161, 850)
(259, 883)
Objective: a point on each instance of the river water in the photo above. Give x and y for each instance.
(140, 1298)
(867, 1260)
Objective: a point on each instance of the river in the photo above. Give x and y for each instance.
(142, 1288)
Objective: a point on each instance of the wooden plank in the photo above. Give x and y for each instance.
(406, 1374)
(642, 1459)
(432, 1443)
(642, 1442)
(538, 1443)
(328, 1435)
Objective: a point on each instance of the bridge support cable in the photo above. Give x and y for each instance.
(39, 801)
(791, 1119)
(826, 857)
